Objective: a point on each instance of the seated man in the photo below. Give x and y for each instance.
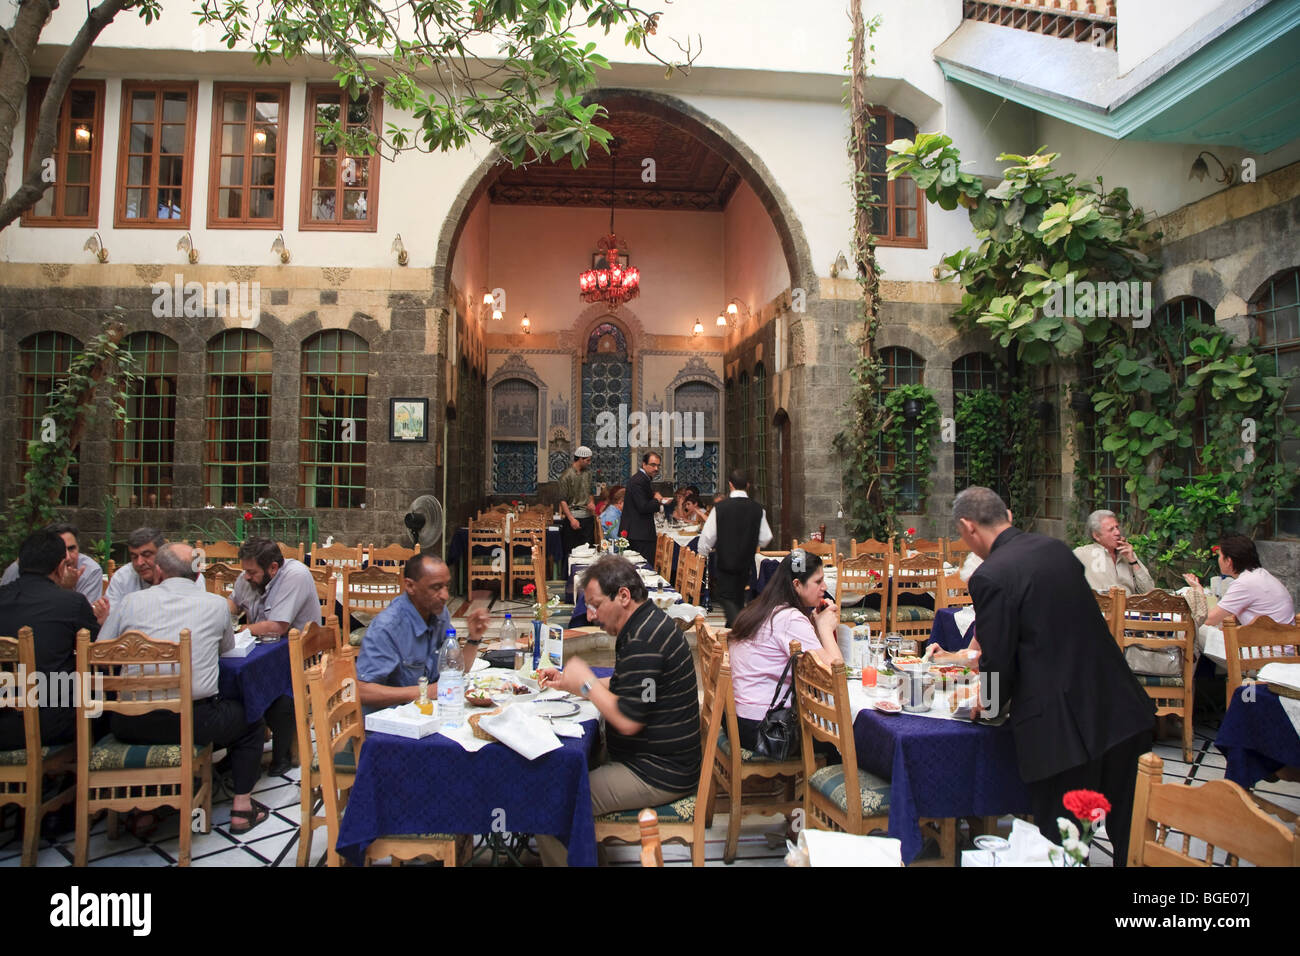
(84, 574)
(403, 641)
(1110, 560)
(55, 614)
(650, 705)
(142, 545)
(275, 594)
(162, 612)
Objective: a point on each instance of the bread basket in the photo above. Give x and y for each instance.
(474, 724)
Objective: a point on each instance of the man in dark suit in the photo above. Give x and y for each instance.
(640, 505)
(736, 528)
(1079, 716)
(55, 614)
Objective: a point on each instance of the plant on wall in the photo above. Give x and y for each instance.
(909, 443)
(982, 430)
(103, 362)
(1062, 275)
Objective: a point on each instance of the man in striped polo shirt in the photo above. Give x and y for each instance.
(651, 703)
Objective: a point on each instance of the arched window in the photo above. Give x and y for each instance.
(761, 490)
(975, 373)
(145, 450)
(514, 436)
(237, 453)
(745, 451)
(1275, 309)
(697, 463)
(332, 456)
(898, 214)
(44, 359)
(899, 467)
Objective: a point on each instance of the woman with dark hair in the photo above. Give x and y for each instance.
(692, 511)
(612, 512)
(1253, 593)
(787, 610)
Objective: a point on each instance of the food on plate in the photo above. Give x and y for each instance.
(888, 705)
(476, 699)
(493, 687)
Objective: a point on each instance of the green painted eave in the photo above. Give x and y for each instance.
(1240, 89)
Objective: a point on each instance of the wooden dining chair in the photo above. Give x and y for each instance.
(880, 550)
(915, 575)
(306, 649)
(664, 556)
(1220, 813)
(288, 551)
(108, 576)
(859, 578)
(392, 557)
(133, 675)
(827, 552)
(693, 580)
(339, 557)
(367, 591)
(23, 771)
(955, 551)
(220, 579)
(1248, 647)
(952, 591)
(527, 532)
(1110, 603)
(652, 851)
(488, 533)
(1160, 621)
(222, 551)
(326, 591)
(685, 559)
(928, 547)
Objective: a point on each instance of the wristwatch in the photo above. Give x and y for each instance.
(585, 689)
(472, 641)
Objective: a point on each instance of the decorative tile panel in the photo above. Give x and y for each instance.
(514, 467)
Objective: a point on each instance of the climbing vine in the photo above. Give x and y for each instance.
(909, 443)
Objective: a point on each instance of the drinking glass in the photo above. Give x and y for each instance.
(893, 645)
(992, 845)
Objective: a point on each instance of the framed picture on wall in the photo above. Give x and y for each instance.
(408, 419)
(599, 261)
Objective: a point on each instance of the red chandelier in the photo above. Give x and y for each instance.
(611, 281)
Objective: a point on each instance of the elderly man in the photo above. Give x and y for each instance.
(162, 612)
(1079, 717)
(1110, 561)
(142, 545)
(275, 594)
(577, 507)
(650, 704)
(55, 613)
(403, 641)
(83, 574)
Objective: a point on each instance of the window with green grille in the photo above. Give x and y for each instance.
(333, 435)
(1108, 479)
(236, 456)
(145, 450)
(898, 466)
(761, 428)
(44, 359)
(974, 372)
(1275, 310)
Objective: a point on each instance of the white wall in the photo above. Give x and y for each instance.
(1145, 27)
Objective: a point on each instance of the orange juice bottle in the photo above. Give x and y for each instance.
(423, 703)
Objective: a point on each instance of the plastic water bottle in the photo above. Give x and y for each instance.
(451, 683)
(510, 641)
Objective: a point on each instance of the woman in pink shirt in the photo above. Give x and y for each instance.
(760, 639)
(1254, 592)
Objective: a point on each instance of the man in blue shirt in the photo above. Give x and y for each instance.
(401, 644)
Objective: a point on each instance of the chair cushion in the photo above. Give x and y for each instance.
(679, 811)
(829, 782)
(746, 756)
(1155, 680)
(913, 612)
(870, 614)
(345, 760)
(17, 758)
(111, 754)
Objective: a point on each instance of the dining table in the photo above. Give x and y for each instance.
(947, 632)
(1257, 737)
(457, 547)
(434, 785)
(937, 768)
(257, 679)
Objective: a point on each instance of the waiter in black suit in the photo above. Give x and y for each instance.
(640, 505)
(1079, 716)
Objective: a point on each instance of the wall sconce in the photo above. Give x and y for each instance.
(497, 315)
(82, 134)
(839, 265)
(96, 245)
(526, 325)
(259, 136)
(911, 411)
(722, 321)
(699, 328)
(278, 248)
(400, 249)
(185, 244)
(1201, 169)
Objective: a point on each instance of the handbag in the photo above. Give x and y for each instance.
(778, 735)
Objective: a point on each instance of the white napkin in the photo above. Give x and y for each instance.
(567, 728)
(244, 641)
(826, 848)
(521, 731)
(583, 549)
(464, 735)
(1028, 848)
(964, 619)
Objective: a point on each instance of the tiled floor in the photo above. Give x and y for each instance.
(275, 842)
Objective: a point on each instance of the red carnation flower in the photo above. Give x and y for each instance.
(515, 502)
(622, 534)
(248, 516)
(530, 588)
(1088, 806)
(911, 531)
(1214, 549)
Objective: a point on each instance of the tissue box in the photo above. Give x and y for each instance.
(403, 721)
(244, 643)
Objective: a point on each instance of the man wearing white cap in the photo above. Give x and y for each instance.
(577, 507)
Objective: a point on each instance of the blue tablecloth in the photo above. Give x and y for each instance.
(1256, 737)
(945, 632)
(257, 679)
(939, 768)
(434, 785)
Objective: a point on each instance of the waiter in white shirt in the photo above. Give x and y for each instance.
(736, 529)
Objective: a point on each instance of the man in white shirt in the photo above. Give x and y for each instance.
(142, 545)
(83, 575)
(162, 611)
(1110, 560)
(737, 528)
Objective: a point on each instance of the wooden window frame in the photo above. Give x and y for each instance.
(120, 219)
(305, 222)
(889, 239)
(35, 95)
(215, 219)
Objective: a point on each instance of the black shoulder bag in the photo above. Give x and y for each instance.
(778, 733)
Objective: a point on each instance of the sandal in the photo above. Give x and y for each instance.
(256, 814)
